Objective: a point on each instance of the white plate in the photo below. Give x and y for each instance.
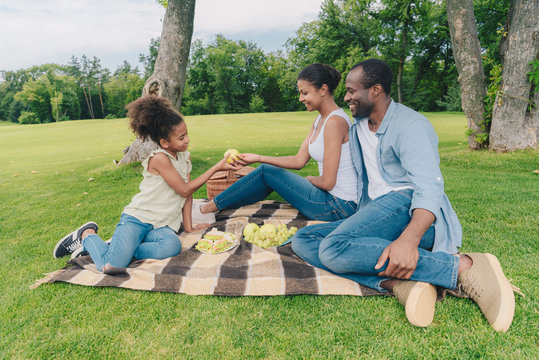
(232, 246)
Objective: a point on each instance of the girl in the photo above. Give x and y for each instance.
(330, 196)
(148, 225)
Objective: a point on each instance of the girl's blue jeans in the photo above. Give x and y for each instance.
(132, 238)
(351, 247)
(314, 203)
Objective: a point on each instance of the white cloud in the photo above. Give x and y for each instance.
(240, 16)
(35, 32)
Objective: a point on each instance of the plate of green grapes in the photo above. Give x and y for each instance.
(268, 235)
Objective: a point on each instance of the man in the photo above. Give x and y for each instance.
(405, 235)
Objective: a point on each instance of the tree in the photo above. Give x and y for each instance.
(148, 61)
(514, 126)
(122, 88)
(49, 98)
(230, 73)
(467, 53)
(168, 78)
(514, 120)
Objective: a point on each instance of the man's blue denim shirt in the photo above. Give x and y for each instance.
(407, 154)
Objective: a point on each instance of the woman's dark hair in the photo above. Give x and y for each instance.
(375, 71)
(152, 117)
(320, 74)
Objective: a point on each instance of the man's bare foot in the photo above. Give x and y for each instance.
(208, 208)
(465, 263)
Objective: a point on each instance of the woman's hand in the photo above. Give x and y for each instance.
(248, 158)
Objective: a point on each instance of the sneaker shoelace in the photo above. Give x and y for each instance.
(472, 288)
(73, 246)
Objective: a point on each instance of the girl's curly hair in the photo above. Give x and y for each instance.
(152, 117)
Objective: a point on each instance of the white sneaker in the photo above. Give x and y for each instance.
(199, 218)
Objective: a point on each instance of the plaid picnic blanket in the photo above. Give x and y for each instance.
(246, 270)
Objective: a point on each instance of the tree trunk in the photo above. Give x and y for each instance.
(91, 108)
(403, 54)
(513, 127)
(467, 54)
(168, 78)
(101, 100)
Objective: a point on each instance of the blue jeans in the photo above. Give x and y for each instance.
(351, 247)
(314, 203)
(132, 238)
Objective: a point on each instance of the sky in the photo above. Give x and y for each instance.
(36, 32)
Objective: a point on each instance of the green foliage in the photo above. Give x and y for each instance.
(533, 75)
(148, 61)
(227, 72)
(493, 92)
(490, 15)
(163, 3)
(122, 88)
(451, 101)
(256, 104)
(36, 95)
(28, 117)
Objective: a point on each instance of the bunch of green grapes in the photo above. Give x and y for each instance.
(268, 235)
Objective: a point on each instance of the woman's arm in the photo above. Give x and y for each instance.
(335, 134)
(296, 162)
(160, 164)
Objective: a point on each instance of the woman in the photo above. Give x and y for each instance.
(330, 196)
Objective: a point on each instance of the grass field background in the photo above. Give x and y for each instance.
(46, 192)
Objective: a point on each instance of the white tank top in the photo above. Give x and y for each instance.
(346, 185)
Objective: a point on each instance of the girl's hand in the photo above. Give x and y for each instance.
(197, 227)
(248, 158)
(224, 165)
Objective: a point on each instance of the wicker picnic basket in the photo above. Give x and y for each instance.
(221, 180)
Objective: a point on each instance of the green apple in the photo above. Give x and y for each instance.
(250, 229)
(231, 155)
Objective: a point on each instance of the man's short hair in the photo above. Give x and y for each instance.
(375, 71)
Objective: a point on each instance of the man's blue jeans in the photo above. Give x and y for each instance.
(351, 247)
(314, 203)
(132, 238)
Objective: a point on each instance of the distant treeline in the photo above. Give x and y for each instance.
(228, 76)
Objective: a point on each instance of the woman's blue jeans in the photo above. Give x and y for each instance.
(132, 238)
(314, 203)
(351, 247)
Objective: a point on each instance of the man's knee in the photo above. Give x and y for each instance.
(330, 250)
(299, 243)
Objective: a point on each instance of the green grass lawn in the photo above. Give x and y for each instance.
(46, 192)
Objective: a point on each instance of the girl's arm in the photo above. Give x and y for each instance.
(296, 162)
(160, 164)
(187, 215)
(335, 134)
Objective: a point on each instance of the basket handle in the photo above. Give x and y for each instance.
(230, 174)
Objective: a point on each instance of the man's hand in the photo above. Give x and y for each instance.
(402, 255)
